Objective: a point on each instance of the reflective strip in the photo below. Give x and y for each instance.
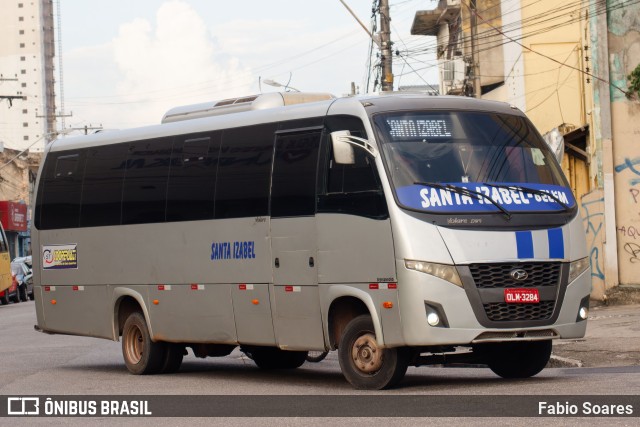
(245, 287)
(556, 243)
(77, 288)
(196, 287)
(292, 289)
(524, 243)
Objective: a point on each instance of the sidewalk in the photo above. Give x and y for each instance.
(612, 339)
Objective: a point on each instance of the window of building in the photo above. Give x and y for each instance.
(21, 18)
(24, 111)
(20, 5)
(23, 84)
(22, 58)
(21, 32)
(21, 44)
(23, 71)
(25, 124)
(26, 137)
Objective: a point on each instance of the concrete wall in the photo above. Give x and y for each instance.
(624, 56)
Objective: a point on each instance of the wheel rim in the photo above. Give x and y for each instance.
(366, 354)
(134, 343)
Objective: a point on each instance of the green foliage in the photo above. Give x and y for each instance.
(634, 83)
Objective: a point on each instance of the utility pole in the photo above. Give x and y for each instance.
(86, 128)
(385, 47)
(475, 66)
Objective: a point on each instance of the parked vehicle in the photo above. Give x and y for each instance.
(7, 289)
(10, 294)
(23, 275)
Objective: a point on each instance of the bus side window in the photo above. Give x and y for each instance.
(144, 195)
(293, 189)
(192, 179)
(244, 172)
(60, 206)
(102, 188)
(353, 189)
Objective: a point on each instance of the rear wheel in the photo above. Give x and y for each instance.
(141, 355)
(274, 358)
(4, 299)
(316, 356)
(366, 365)
(16, 297)
(517, 359)
(172, 358)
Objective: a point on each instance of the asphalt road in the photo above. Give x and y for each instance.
(34, 363)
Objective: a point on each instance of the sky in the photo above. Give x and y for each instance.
(125, 63)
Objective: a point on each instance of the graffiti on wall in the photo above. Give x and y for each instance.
(593, 220)
(631, 165)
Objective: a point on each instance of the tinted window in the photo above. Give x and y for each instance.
(145, 181)
(3, 242)
(353, 189)
(192, 179)
(103, 182)
(244, 172)
(294, 173)
(60, 206)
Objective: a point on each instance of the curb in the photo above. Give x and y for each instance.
(563, 362)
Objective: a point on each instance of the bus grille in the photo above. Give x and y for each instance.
(500, 311)
(498, 275)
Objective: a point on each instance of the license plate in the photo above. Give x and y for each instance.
(521, 296)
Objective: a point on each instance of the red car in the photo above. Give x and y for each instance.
(10, 294)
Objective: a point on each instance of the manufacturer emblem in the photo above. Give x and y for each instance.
(519, 274)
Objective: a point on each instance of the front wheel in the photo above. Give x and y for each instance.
(141, 355)
(517, 359)
(366, 365)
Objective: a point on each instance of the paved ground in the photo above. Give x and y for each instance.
(612, 339)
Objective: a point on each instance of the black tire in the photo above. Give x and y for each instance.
(16, 297)
(517, 359)
(22, 291)
(316, 356)
(274, 358)
(172, 358)
(141, 355)
(4, 300)
(365, 365)
(32, 296)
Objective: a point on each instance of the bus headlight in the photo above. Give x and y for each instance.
(441, 271)
(576, 268)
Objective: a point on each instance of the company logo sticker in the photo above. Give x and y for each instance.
(58, 257)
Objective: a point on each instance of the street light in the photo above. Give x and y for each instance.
(277, 84)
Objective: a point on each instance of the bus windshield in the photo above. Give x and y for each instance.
(499, 155)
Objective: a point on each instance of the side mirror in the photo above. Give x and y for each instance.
(342, 150)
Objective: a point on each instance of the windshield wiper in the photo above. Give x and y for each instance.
(529, 190)
(466, 192)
